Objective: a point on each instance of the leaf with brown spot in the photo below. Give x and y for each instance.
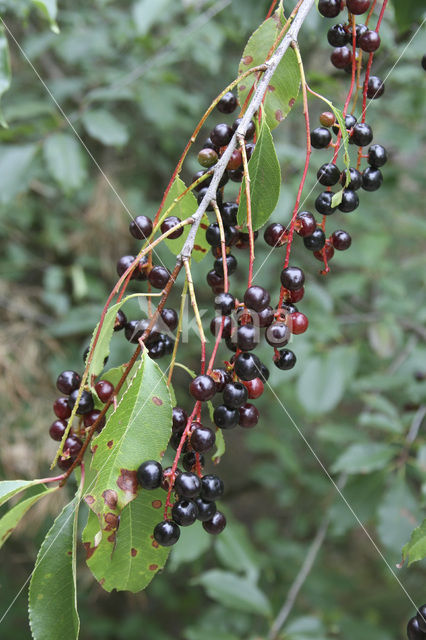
(280, 96)
(157, 401)
(127, 561)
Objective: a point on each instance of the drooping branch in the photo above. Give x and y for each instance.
(256, 101)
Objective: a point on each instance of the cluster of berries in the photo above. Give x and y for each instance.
(195, 498)
(416, 627)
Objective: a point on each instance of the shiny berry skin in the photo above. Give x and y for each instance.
(202, 438)
(371, 179)
(285, 360)
(314, 242)
(187, 485)
(216, 525)
(305, 224)
(249, 416)
(327, 118)
(228, 103)
(327, 252)
(341, 57)
(67, 382)
(231, 264)
(224, 417)
(179, 420)
(184, 512)
(251, 129)
(61, 408)
(211, 488)
(201, 194)
(204, 183)
(298, 323)
(328, 174)
(355, 179)
(169, 223)
(124, 263)
(255, 388)
(221, 135)
(247, 366)
(341, 240)
(206, 510)
(323, 203)
(292, 278)
(421, 617)
(247, 337)
(216, 324)
(213, 235)
(104, 389)
(377, 156)
(91, 417)
(275, 235)
(166, 533)
(120, 322)
(150, 474)
(350, 201)
(141, 227)
(414, 631)
(159, 277)
(265, 317)
(329, 8)
(73, 445)
(375, 88)
(170, 318)
(337, 36)
(256, 298)
(277, 334)
(86, 402)
(224, 303)
(207, 157)
(202, 388)
(320, 138)
(235, 395)
(294, 296)
(357, 7)
(369, 41)
(57, 429)
(350, 121)
(134, 330)
(229, 213)
(362, 134)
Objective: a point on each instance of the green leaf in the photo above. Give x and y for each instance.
(52, 596)
(234, 549)
(326, 377)
(5, 72)
(147, 13)
(9, 488)
(138, 430)
(133, 561)
(306, 628)
(15, 162)
(415, 549)
(364, 458)
(65, 160)
(50, 9)
(265, 181)
(284, 87)
(192, 543)
(220, 445)
(11, 519)
(103, 126)
(234, 592)
(397, 515)
(184, 209)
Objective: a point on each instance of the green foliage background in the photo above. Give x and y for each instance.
(133, 79)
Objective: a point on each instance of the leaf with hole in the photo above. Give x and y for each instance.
(265, 181)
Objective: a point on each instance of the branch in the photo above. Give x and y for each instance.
(304, 571)
(256, 101)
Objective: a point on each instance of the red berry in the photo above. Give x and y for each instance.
(298, 323)
(57, 429)
(254, 388)
(91, 417)
(249, 416)
(235, 161)
(357, 7)
(104, 389)
(61, 408)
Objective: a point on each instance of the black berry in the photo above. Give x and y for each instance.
(249, 416)
(292, 278)
(285, 359)
(320, 138)
(377, 156)
(328, 174)
(277, 334)
(141, 227)
(211, 488)
(216, 525)
(57, 429)
(375, 88)
(202, 438)
(187, 484)
(323, 203)
(362, 134)
(274, 234)
(355, 179)
(202, 388)
(170, 318)
(224, 303)
(184, 512)
(247, 366)
(169, 223)
(221, 135)
(150, 474)
(371, 179)
(350, 201)
(206, 510)
(316, 241)
(341, 240)
(341, 57)
(357, 7)
(231, 263)
(256, 298)
(235, 395)
(337, 36)
(228, 103)
(329, 8)
(159, 277)
(166, 533)
(225, 418)
(305, 224)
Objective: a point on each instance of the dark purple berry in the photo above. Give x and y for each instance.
(202, 438)
(305, 224)
(169, 223)
(187, 485)
(362, 134)
(292, 278)
(256, 298)
(247, 337)
(216, 525)
(249, 416)
(206, 510)
(329, 8)
(316, 241)
(341, 240)
(277, 334)
(337, 36)
(229, 213)
(235, 395)
(375, 88)
(328, 174)
(179, 420)
(67, 382)
(275, 234)
(371, 179)
(221, 135)
(184, 512)
(421, 617)
(57, 429)
(323, 203)
(189, 460)
(414, 631)
(369, 41)
(225, 418)
(120, 322)
(341, 57)
(221, 321)
(150, 474)
(141, 227)
(355, 179)
(61, 408)
(377, 156)
(285, 360)
(231, 264)
(86, 403)
(224, 303)
(228, 103)
(251, 129)
(350, 201)
(159, 277)
(247, 366)
(211, 488)
(170, 318)
(357, 7)
(104, 389)
(202, 388)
